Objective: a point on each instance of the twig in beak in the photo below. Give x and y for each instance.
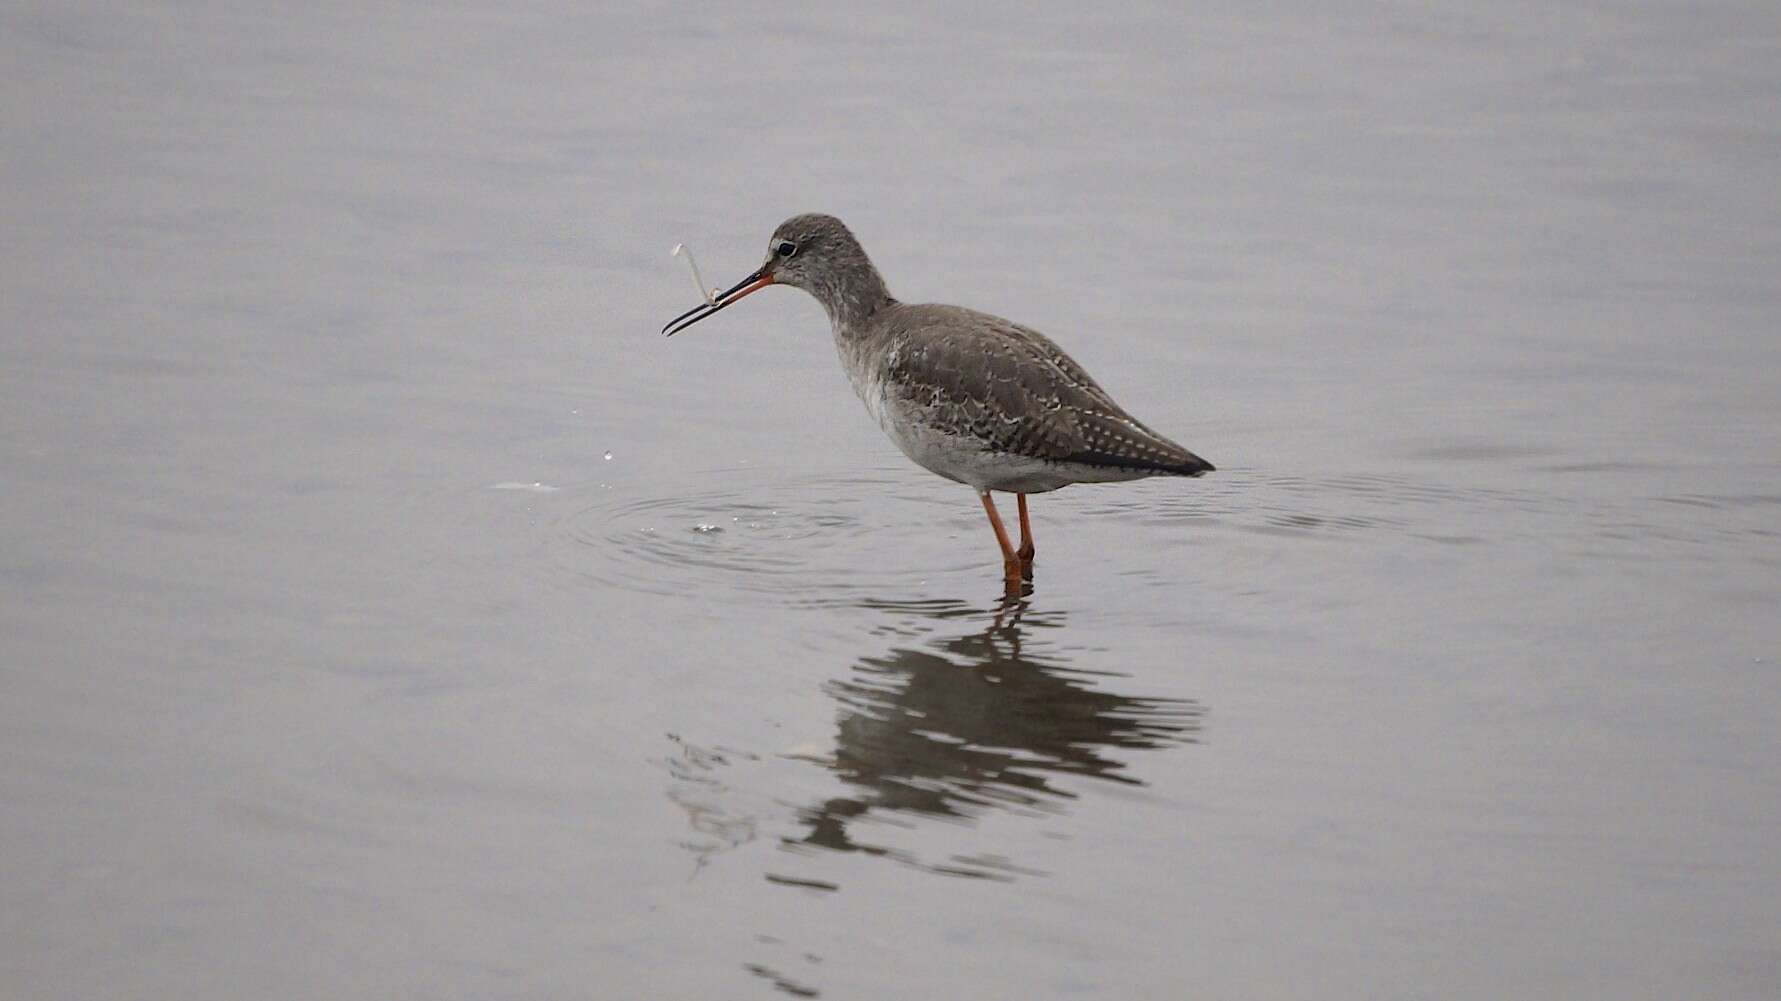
(709, 295)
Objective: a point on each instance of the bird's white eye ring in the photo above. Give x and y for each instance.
(785, 248)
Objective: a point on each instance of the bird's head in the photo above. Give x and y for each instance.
(814, 252)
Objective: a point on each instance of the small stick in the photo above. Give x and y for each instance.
(710, 296)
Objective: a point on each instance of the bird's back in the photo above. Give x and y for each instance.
(1014, 392)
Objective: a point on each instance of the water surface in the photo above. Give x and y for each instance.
(388, 611)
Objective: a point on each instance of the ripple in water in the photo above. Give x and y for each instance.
(755, 533)
(815, 541)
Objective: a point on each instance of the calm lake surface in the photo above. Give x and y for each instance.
(388, 611)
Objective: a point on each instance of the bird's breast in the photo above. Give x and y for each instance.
(866, 373)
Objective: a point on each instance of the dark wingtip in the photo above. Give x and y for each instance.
(1192, 465)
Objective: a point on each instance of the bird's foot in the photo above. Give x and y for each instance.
(1025, 553)
(1014, 571)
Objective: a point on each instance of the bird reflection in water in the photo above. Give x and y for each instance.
(975, 723)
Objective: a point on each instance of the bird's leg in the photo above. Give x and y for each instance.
(1010, 560)
(1025, 552)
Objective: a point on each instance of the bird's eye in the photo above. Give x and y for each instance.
(785, 248)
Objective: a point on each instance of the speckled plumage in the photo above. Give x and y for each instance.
(1011, 392)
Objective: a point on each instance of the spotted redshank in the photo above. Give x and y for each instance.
(972, 397)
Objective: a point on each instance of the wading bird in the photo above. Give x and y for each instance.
(972, 397)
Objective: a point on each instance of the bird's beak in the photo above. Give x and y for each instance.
(760, 279)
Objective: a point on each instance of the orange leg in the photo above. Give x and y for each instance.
(1010, 560)
(1026, 550)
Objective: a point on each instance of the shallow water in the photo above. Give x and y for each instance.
(390, 611)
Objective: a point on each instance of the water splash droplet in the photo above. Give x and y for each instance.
(607, 456)
(704, 529)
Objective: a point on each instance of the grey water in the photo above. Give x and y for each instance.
(387, 610)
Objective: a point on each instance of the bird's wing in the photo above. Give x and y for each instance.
(1012, 387)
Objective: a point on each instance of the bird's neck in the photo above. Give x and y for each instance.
(852, 302)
